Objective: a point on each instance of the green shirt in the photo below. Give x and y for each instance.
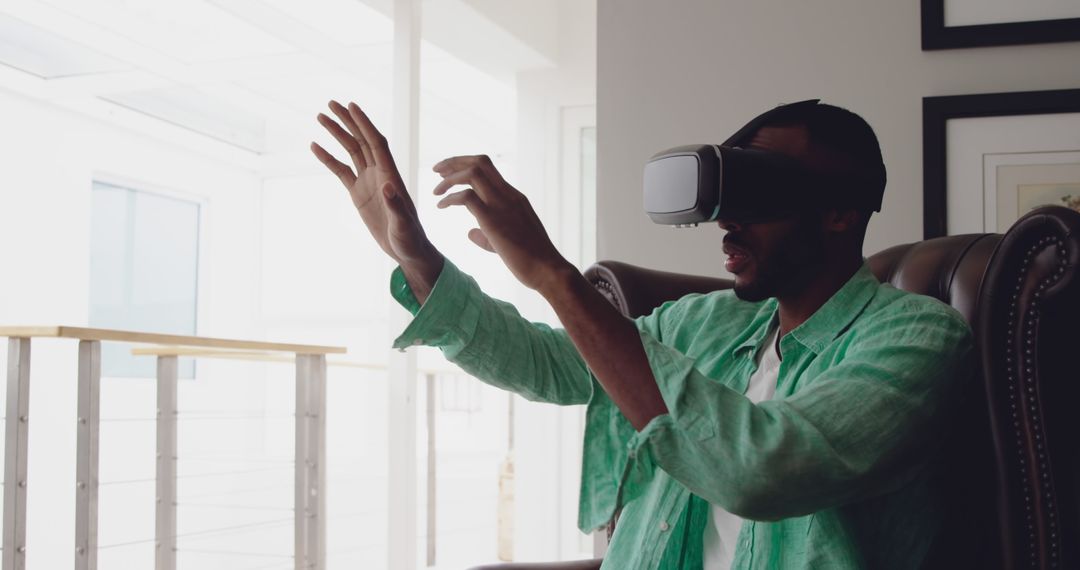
(834, 472)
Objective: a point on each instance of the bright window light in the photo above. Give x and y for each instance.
(347, 22)
(143, 271)
(191, 31)
(47, 55)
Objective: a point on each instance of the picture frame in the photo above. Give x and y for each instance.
(1023, 133)
(938, 34)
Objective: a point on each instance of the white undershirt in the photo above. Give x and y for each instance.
(722, 531)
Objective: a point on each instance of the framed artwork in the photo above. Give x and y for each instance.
(1016, 183)
(950, 24)
(990, 158)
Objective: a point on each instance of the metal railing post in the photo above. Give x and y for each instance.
(165, 508)
(432, 458)
(86, 463)
(17, 425)
(310, 462)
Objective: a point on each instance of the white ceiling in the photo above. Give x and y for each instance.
(249, 75)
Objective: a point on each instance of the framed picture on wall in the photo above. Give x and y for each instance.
(990, 158)
(976, 23)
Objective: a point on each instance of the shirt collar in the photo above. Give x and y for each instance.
(762, 324)
(831, 319)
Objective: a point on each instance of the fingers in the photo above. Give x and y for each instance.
(470, 200)
(475, 177)
(352, 146)
(380, 152)
(466, 197)
(456, 163)
(476, 235)
(347, 120)
(469, 176)
(340, 169)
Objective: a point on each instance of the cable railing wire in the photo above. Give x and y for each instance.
(199, 475)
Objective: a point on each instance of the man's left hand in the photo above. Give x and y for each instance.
(508, 224)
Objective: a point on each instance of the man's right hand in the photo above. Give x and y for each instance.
(379, 195)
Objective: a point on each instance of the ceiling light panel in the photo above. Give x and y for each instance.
(38, 51)
(198, 111)
(191, 31)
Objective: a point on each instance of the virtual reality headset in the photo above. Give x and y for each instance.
(688, 185)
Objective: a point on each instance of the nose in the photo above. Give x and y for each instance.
(729, 225)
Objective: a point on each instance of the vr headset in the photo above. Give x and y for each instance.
(688, 185)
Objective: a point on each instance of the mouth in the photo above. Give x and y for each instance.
(737, 258)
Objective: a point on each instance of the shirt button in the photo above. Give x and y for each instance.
(664, 526)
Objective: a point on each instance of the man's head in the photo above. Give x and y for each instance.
(778, 257)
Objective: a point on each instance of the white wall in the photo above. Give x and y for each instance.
(49, 159)
(681, 71)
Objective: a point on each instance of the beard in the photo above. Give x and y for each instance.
(785, 265)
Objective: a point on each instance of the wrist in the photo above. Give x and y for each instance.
(422, 273)
(560, 280)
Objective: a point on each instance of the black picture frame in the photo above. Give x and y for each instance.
(936, 35)
(936, 113)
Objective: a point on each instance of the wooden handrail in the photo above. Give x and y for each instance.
(227, 354)
(84, 333)
(263, 356)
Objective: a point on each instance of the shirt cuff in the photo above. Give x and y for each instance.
(447, 316)
(672, 370)
(641, 462)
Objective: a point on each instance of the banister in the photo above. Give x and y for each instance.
(310, 430)
(311, 362)
(262, 356)
(86, 333)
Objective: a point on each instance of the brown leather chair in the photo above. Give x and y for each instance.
(1011, 463)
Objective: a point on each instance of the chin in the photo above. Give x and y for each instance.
(747, 290)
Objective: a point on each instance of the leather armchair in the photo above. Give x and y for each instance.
(1011, 462)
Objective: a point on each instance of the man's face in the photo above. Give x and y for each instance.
(772, 258)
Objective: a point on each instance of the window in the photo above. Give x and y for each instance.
(144, 259)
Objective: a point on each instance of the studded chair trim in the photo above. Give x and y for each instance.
(1028, 315)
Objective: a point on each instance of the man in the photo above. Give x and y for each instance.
(789, 423)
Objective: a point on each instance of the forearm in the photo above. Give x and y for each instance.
(609, 343)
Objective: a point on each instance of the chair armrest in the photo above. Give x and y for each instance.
(636, 291)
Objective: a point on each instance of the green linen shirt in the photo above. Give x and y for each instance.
(834, 472)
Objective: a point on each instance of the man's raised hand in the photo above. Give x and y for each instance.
(378, 193)
(508, 224)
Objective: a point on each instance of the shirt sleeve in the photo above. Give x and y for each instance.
(613, 472)
(860, 428)
(490, 340)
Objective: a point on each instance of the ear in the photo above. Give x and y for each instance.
(839, 221)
